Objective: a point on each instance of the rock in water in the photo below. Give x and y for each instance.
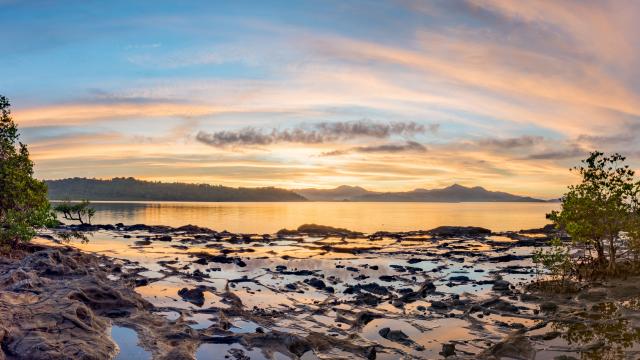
(448, 350)
(395, 336)
(459, 231)
(194, 296)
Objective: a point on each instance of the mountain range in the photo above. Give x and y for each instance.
(453, 193)
(139, 190)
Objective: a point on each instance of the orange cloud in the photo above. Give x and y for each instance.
(75, 114)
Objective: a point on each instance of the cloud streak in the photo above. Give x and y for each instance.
(409, 146)
(318, 133)
(514, 142)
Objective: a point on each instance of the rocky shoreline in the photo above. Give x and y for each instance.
(314, 292)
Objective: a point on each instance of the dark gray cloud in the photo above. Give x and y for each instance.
(409, 146)
(521, 141)
(570, 152)
(317, 133)
(630, 135)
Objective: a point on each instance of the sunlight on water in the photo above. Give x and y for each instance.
(365, 217)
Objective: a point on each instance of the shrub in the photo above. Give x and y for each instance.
(602, 213)
(556, 259)
(81, 211)
(23, 199)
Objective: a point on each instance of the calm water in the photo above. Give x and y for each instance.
(366, 217)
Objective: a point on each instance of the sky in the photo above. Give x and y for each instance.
(389, 95)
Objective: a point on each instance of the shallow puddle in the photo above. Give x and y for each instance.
(127, 340)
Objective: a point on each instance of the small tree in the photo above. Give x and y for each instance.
(23, 200)
(556, 259)
(81, 211)
(602, 212)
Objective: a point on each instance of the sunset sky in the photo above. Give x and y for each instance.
(389, 95)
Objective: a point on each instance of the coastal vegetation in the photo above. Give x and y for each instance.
(82, 211)
(24, 206)
(601, 215)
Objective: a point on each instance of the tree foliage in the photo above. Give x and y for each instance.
(23, 199)
(556, 260)
(602, 212)
(82, 211)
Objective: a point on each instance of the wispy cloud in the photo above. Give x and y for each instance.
(510, 143)
(409, 146)
(570, 152)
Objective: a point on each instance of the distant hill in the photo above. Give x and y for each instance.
(138, 190)
(340, 193)
(453, 193)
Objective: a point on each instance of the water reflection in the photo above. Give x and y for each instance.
(127, 340)
(365, 217)
(602, 333)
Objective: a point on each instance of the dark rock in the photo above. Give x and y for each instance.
(426, 288)
(459, 231)
(240, 263)
(193, 229)
(549, 306)
(507, 258)
(299, 272)
(440, 305)
(448, 350)
(194, 296)
(201, 261)
(141, 282)
(292, 287)
(415, 260)
(316, 283)
(374, 288)
(367, 299)
(501, 285)
(460, 278)
(395, 335)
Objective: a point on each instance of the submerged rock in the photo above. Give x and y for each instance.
(396, 336)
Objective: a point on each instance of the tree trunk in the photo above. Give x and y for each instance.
(600, 250)
(612, 254)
